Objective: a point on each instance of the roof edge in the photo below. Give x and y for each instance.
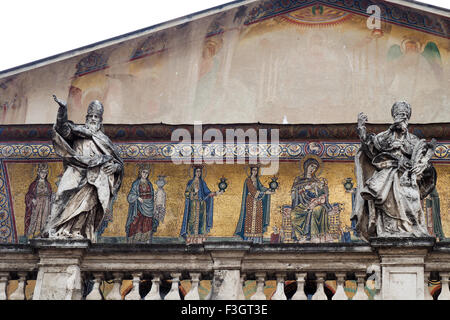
(422, 6)
(126, 36)
(178, 21)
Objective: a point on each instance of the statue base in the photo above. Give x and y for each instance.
(59, 276)
(402, 266)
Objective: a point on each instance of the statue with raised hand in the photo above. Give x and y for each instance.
(93, 173)
(394, 174)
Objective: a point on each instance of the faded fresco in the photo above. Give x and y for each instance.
(312, 202)
(309, 55)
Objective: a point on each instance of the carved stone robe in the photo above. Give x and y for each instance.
(388, 195)
(85, 192)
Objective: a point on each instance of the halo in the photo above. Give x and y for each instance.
(311, 156)
(190, 171)
(419, 46)
(140, 164)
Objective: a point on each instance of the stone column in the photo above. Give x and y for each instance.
(19, 293)
(300, 293)
(260, 281)
(402, 266)
(445, 292)
(193, 293)
(4, 279)
(114, 294)
(59, 276)
(320, 291)
(174, 293)
(134, 293)
(154, 293)
(95, 293)
(227, 259)
(279, 293)
(340, 282)
(361, 289)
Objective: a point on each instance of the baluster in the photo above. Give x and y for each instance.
(320, 292)
(4, 278)
(340, 291)
(426, 290)
(19, 293)
(134, 293)
(95, 293)
(241, 294)
(260, 281)
(174, 294)
(154, 293)
(300, 293)
(445, 292)
(279, 293)
(360, 293)
(193, 293)
(114, 294)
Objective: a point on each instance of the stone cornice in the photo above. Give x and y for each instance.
(163, 132)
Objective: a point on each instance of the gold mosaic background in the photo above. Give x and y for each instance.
(226, 206)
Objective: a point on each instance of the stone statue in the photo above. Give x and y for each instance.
(93, 173)
(393, 173)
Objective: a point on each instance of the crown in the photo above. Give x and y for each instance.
(42, 167)
(144, 166)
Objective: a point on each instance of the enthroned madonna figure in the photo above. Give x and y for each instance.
(310, 206)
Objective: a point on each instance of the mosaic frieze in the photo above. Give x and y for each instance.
(161, 201)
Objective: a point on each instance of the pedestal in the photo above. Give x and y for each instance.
(402, 266)
(59, 276)
(227, 257)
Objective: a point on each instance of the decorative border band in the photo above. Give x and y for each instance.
(166, 151)
(406, 17)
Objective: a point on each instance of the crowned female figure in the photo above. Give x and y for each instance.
(255, 208)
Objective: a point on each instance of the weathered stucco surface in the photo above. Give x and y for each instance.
(317, 63)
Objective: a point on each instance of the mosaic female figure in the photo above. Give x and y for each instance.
(310, 204)
(198, 209)
(38, 202)
(141, 223)
(255, 209)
